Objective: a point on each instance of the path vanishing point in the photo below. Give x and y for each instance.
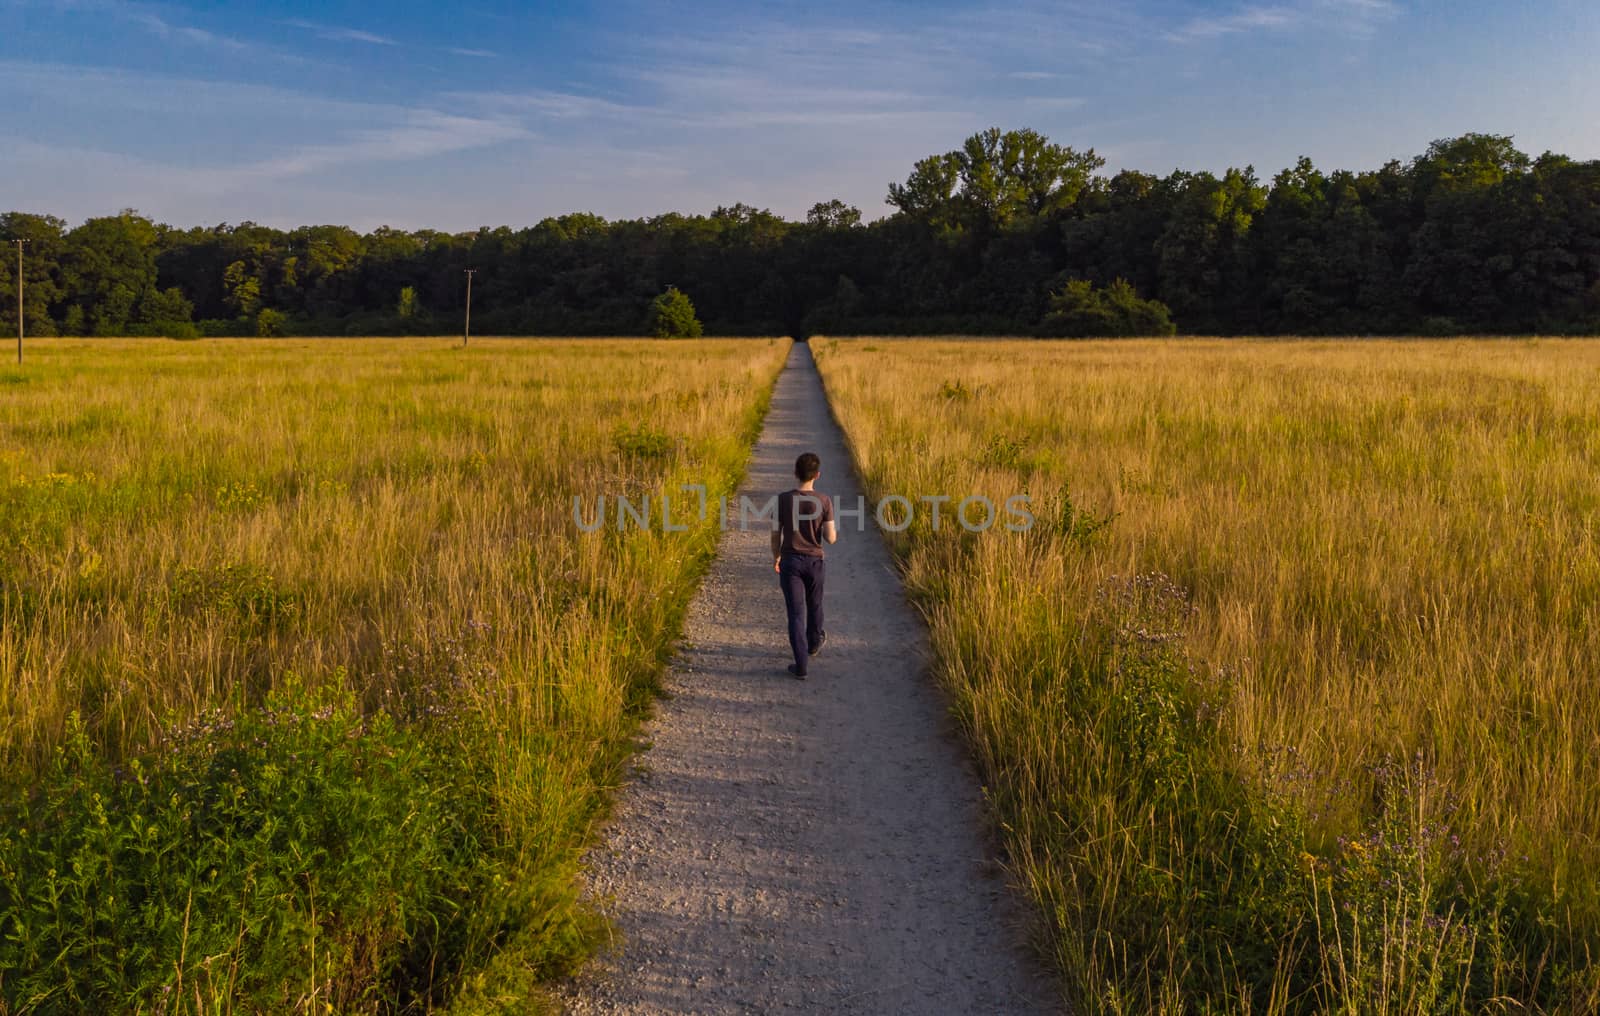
(804, 846)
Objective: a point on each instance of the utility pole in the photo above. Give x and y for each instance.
(466, 330)
(20, 244)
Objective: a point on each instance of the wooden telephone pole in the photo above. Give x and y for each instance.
(20, 244)
(466, 330)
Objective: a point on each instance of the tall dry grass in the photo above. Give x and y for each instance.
(191, 531)
(1287, 701)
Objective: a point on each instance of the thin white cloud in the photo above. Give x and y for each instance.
(1347, 16)
(1359, 17)
(186, 33)
(338, 33)
(797, 82)
(422, 134)
(766, 70)
(691, 99)
(150, 17)
(1364, 8)
(1053, 102)
(348, 134)
(342, 33)
(554, 105)
(1034, 32)
(123, 91)
(1244, 20)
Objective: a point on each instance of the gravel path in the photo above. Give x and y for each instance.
(804, 846)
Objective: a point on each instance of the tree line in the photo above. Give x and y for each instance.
(1008, 234)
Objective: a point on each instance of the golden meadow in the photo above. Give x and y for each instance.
(1287, 701)
(309, 686)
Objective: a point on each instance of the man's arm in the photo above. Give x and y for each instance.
(830, 532)
(777, 548)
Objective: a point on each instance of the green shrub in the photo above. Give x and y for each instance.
(165, 313)
(297, 855)
(269, 323)
(75, 321)
(225, 327)
(245, 592)
(644, 442)
(1080, 310)
(672, 316)
(1439, 326)
(165, 330)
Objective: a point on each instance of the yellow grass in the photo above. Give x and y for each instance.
(1391, 549)
(184, 525)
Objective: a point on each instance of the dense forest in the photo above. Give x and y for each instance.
(1010, 233)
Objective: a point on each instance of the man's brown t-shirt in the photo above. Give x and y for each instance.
(803, 516)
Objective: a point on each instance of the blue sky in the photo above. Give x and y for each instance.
(455, 115)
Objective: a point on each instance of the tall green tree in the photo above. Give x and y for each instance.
(833, 214)
(108, 265)
(41, 270)
(995, 180)
(1204, 260)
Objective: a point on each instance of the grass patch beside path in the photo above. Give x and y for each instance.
(1285, 702)
(311, 690)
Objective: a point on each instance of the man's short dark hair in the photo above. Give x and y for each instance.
(807, 466)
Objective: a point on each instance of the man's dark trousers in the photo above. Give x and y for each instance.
(801, 575)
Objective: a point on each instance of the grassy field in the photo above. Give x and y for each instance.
(1287, 700)
(310, 688)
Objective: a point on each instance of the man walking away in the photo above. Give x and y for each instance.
(805, 522)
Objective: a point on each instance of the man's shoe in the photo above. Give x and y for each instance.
(822, 639)
(796, 673)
